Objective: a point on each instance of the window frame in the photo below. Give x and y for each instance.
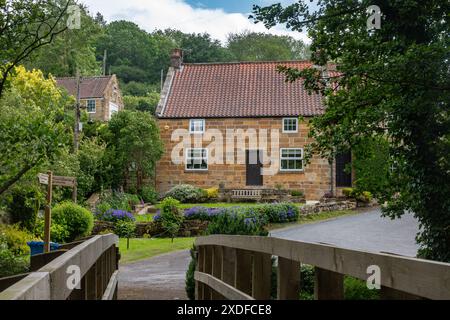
(292, 158)
(188, 150)
(197, 132)
(296, 125)
(87, 105)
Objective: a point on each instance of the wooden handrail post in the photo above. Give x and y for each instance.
(217, 268)
(328, 285)
(262, 272)
(207, 268)
(229, 265)
(288, 279)
(243, 271)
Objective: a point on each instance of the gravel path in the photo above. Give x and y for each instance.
(159, 278)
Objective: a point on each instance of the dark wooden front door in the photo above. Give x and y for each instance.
(253, 166)
(343, 178)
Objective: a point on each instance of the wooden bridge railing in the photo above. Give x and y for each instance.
(97, 259)
(240, 267)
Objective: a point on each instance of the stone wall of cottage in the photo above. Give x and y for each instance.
(102, 104)
(314, 181)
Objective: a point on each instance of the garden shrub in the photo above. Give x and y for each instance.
(23, 206)
(356, 289)
(114, 215)
(149, 195)
(190, 281)
(186, 193)
(125, 229)
(297, 193)
(11, 264)
(58, 233)
(15, 239)
(238, 221)
(212, 193)
(201, 213)
(279, 212)
(348, 192)
(77, 220)
(170, 216)
(117, 200)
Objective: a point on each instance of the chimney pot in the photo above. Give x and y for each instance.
(176, 58)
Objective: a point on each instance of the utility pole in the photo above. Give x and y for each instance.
(105, 55)
(76, 131)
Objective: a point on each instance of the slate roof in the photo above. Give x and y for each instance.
(90, 87)
(244, 89)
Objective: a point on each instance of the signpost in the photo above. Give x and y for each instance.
(50, 180)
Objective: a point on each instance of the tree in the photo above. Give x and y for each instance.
(26, 26)
(197, 47)
(147, 104)
(134, 146)
(391, 83)
(131, 51)
(72, 50)
(31, 125)
(253, 46)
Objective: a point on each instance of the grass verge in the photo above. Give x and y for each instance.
(146, 248)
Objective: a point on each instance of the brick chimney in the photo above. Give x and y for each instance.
(176, 58)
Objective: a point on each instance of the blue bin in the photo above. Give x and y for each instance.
(37, 247)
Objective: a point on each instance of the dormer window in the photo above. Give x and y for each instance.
(197, 126)
(290, 125)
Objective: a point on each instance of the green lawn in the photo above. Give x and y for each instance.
(147, 248)
(313, 218)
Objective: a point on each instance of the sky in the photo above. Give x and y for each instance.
(216, 17)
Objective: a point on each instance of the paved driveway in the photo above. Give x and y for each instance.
(367, 231)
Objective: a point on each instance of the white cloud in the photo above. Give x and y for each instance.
(176, 14)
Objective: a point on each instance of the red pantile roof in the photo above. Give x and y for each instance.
(246, 89)
(90, 87)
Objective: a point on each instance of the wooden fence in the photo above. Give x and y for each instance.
(97, 258)
(240, 268)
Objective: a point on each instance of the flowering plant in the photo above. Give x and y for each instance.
(114, 215)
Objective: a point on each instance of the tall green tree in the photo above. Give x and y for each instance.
(254, 46)
(133, 148)
(25, 27)
(197, 47)
(73, 49)
(130, 51)
(32, 130)
(393, 82)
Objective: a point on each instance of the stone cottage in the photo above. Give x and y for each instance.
(241, 126)
(99, 95)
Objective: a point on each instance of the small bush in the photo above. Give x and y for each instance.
(279, 212)
(11, 264)
(77, 220)
(190, 281)
(23, 205)
(186, 193)
(117, 200)
(297, 193)
(348, 192)
(58, 233)
(238, 221)
(170, 216)
(149, 195)
(212, 193)
(201, 213)
(114, 215)
(125, 229)
(356, 289)
(15, 239)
